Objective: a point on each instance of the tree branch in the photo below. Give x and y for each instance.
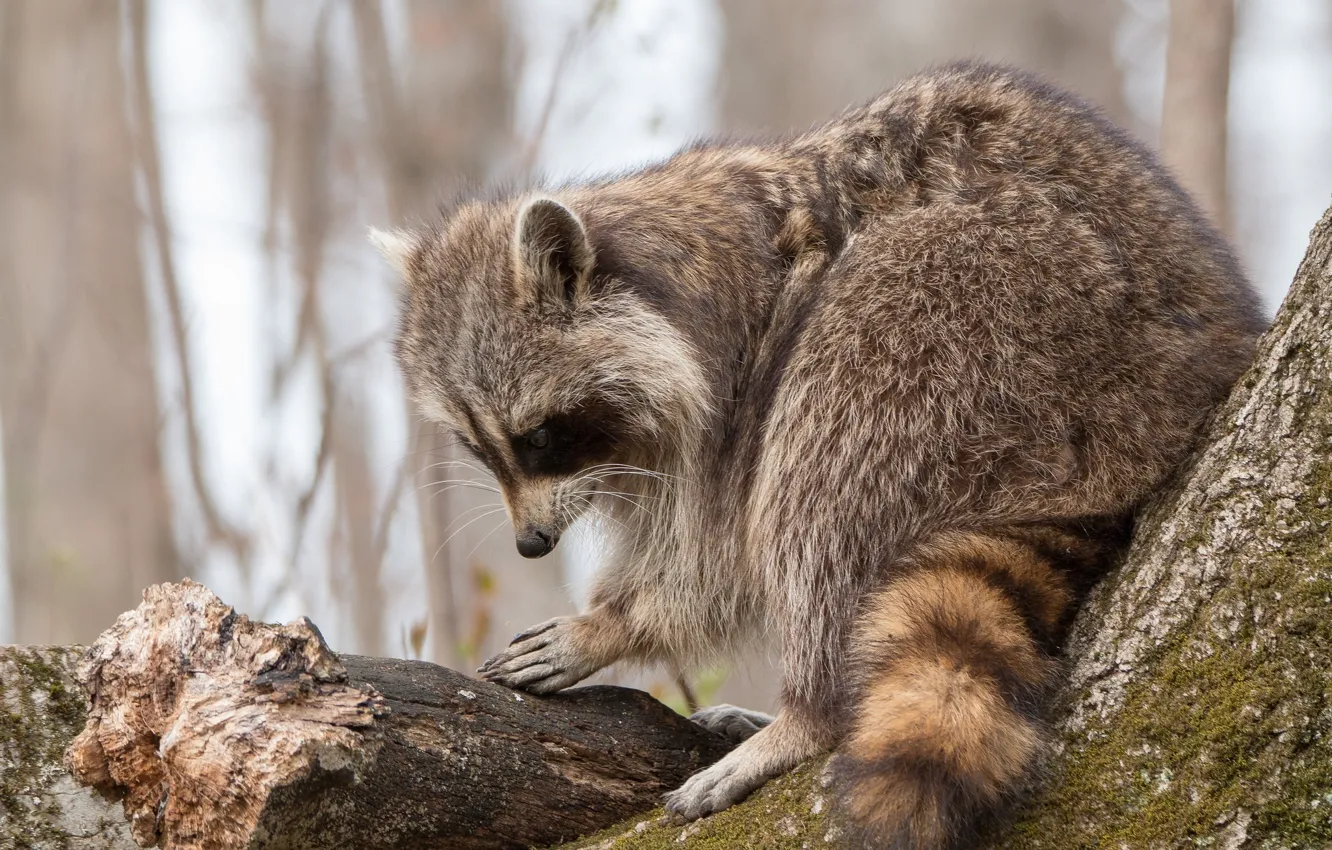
(150, 163)
(219, 732)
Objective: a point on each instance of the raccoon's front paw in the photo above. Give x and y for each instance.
(721, 786)
(544, 659)
(729, 721)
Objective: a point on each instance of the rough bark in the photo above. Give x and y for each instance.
(219, 732)
(1199, 709)
(1198, 712)
(41, 709)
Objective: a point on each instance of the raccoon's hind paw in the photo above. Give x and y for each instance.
(709, 791)
(741, 772)
(541, 660)
(731, 722)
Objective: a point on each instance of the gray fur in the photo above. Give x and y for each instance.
(732, 722)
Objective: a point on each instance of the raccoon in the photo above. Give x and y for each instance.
(886, 393)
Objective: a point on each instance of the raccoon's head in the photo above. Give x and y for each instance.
(545, 364)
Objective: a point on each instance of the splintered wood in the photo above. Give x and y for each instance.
(218, 732)
(198, 715)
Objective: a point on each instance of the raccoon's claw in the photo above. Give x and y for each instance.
(541, 660)
(731, 722)
(721, 786)
(533, 631)
(538, 679)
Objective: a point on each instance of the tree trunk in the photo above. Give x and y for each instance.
(89, 521)
(41, 710)
(1194, 106)
(1197, 710)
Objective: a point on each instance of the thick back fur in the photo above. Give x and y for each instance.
(894, 385)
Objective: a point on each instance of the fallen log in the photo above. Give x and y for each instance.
(217, 732)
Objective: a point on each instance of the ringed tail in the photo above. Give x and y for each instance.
(955, 659)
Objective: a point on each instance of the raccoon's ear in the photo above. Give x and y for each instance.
(396, 246)
(552, 253)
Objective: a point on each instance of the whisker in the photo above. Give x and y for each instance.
(602, 509)
(443, 490)
(449, 485)
(460, 482)
(474, 508)
(600, 472)
(617, 492)
(454, 463)
(588, 505)
(624, 498)
(497, 527)
(461, 530)
(626, 469)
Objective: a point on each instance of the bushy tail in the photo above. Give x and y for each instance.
(954, 662)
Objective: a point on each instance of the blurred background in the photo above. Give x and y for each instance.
(195, 372)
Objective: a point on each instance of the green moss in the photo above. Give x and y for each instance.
(1234, 716)
(780, 816)
(40, 713)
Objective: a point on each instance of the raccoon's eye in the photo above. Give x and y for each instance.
(538, 438)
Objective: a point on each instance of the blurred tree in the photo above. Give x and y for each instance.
(790, 64)
(443, 111)
(148, 154)
(1197, 88)
(304, 127)
(88, 518)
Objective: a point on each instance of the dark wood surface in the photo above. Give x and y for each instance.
(468, 764)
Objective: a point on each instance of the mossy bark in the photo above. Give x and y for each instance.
(41, 710)
(1198, 709)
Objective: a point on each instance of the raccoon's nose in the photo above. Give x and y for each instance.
(535, 542)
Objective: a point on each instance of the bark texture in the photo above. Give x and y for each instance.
(41, 709)
(219, 732)
(1198, 712)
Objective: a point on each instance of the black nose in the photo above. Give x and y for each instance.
(535, 542)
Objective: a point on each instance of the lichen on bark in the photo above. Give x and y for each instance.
(789, 813)
(41, 710)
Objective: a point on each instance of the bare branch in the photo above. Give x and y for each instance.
(219, 529)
